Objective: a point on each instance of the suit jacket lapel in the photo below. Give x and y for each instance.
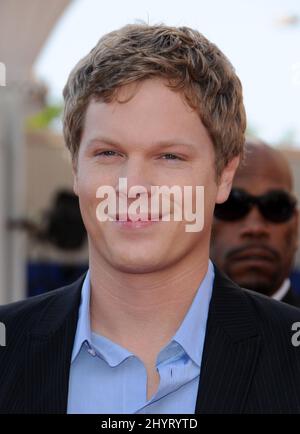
(49, 350)
(230, 351)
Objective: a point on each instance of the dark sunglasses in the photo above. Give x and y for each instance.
(277, 206)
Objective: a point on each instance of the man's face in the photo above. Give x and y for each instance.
(155, 139)
(254, 252)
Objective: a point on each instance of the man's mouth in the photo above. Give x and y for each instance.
(254, 254)
(138, 217)
(138, 221)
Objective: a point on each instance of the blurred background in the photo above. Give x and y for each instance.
(42, 239)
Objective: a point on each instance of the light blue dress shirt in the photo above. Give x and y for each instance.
(107, 378)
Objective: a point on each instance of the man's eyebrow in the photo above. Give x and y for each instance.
(174, 142)
(166, 143)
(104, 140)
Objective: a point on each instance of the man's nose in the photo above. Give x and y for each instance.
(137, 173)
(254, 225)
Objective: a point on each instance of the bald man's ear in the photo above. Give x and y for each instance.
(226, 178)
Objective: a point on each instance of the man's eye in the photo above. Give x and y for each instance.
(171, 157)
(106, 153)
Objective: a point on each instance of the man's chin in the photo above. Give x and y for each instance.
(135, 262)
(261, 286)
(256, 282)
(136, 267)
(260, 276)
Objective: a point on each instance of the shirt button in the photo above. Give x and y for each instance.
(92, 352)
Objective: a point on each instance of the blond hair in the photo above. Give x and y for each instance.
(184, 58)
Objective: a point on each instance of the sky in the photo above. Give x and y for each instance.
(252, 33)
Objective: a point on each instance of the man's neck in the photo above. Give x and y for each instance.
(142, 311)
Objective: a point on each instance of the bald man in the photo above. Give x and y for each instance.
(255, 233)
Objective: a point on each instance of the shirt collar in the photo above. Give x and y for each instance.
(83, 331)
(282, 291)
(110, 351)
(191, 330)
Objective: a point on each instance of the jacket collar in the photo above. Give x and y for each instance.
(62, 303)
(231, 350)
(48, 352)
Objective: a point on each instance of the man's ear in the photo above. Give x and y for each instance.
(226, 178)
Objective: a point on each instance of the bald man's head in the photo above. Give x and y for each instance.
(257, 249)
(263, 161)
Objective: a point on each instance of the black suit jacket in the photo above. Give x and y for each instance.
(291, 298)
(249, 364)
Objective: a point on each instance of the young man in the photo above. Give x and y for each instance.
(152, 327)
(255, 232)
